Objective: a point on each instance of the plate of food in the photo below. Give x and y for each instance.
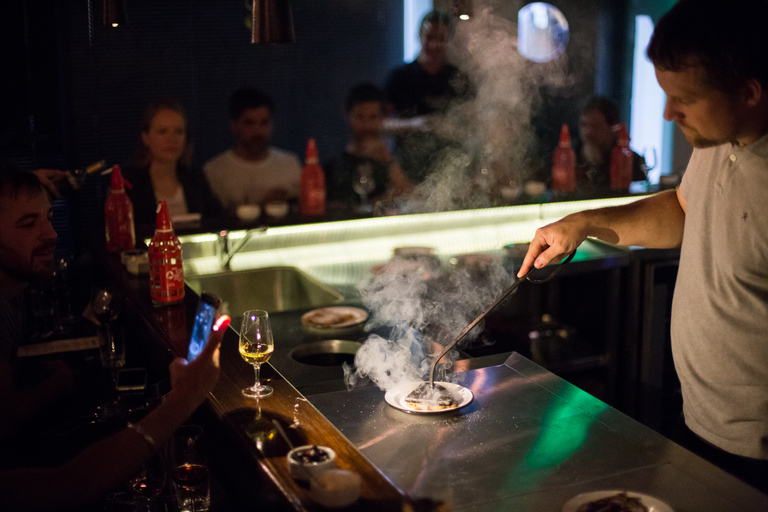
(446, 397)
(334, 318)
(615, 501)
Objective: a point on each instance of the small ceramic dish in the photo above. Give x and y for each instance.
(334, 320)
(335, 488)
(248, 212)
(308, 461)
(276, 209)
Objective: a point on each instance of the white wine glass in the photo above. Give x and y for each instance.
(256, 347)
(363, 184)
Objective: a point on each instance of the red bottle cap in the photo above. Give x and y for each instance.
(623, 135)
(311, 157)
(565, 137)
(163, 221)
(118, 182)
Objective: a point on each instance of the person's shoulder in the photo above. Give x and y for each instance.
(283, 155)
(217, 161)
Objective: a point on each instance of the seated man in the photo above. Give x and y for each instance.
(252, 172)
(366, 156)
(27, 241)
(598, 119)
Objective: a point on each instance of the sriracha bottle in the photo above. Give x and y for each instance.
(118, 215)
(166, 273)
(564, 163)
(621, 161)
(312, 194)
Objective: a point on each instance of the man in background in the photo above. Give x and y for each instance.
(598, 128)
(253, 172)
(366, 168)
(420, 93)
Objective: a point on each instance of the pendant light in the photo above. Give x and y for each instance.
(463, 9)
(271, 22)
(114, 13)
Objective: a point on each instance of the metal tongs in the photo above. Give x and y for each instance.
(421, 390)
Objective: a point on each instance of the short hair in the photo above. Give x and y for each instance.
(248, 98)
(729, 41)
(604, 105)
(437, 16)
(142, 157)
(13, 180)
(364, 93)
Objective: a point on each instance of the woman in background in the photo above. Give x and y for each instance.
(164, 155)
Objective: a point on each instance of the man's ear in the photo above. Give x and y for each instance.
(753, 92)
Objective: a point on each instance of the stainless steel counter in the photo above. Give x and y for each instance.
(529, 442)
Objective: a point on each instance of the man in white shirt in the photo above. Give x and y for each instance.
(253, 172)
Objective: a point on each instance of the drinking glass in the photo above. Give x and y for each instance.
(363, 184)
(105, 307)
(256, 346)
(190, 470)
(149, 482)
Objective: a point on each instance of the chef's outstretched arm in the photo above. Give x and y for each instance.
(654, 222)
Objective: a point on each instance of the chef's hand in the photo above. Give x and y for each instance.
(554, 242)
(48, 179)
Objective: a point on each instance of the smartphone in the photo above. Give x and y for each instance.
(131, 379)
(207, 310)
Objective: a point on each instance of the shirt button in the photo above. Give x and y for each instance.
(733, 158)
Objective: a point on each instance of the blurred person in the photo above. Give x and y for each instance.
(598, 130)
(253, 172)
(162, 168)
(27, 244)
(711, 64)
(419, 94)
(366, 153)
(27, 241)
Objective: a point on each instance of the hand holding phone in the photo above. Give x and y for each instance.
(207, 310)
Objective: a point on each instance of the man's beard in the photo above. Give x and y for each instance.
(699, 142)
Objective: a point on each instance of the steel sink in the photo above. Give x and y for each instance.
(271, 289)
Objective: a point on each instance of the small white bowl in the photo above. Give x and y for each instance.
(306, 469)
(248, 212)
(335, 488)
(276, 209)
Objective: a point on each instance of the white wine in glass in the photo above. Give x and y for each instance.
(256, 347)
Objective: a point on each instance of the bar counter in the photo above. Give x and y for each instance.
(529, 441)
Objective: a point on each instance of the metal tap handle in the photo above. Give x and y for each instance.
(490, 308)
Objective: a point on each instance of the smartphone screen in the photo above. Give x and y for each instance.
(207, 309)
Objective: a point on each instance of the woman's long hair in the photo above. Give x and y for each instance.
(142, 158)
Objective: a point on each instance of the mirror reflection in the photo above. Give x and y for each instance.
(473, 120)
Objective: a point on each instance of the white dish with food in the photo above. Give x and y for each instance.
(307, 462)
(639, 502)
(334, 317)
(397, 398)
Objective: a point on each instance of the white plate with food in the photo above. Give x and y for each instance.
(334, 317)
(396, 397)
(601, 500)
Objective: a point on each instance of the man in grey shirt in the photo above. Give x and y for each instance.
(711, 63)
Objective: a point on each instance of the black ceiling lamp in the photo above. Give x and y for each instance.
(271, 22)
(114, 13)
(463, 9)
